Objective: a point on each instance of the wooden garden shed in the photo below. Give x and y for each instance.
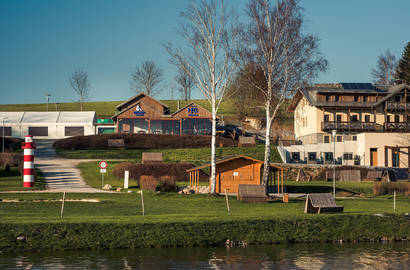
(237, 170)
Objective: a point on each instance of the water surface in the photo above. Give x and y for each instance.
(292, 256)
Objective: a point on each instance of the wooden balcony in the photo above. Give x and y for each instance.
(397, 106)
(397, 127)
(351, 126)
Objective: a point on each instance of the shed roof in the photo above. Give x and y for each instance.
(233, 158)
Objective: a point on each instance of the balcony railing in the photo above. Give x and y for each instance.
(397, 106)
(366, 126)
(397, 126)
(351, 126)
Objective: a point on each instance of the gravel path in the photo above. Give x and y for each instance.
(61, 174)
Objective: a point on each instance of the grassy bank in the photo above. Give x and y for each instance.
(13, 180)
(193, 155)
(108, 107)
(185, 220)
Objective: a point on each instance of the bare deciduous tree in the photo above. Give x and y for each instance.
(385, 71)
(275, 43)
(210, 36)
(80, 83)
(146, 78)
(185, 83)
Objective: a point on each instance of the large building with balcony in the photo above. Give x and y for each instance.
(371, 124)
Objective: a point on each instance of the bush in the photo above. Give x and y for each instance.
(12, 144)
(10, 159)
(140, 141)
(177, 170)
(163, 183)
(389, 188)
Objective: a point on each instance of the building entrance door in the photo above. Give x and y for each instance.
(373, 157)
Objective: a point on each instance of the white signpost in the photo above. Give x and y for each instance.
(103, 169)
(126, 177)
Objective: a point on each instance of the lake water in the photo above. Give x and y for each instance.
(293, 256)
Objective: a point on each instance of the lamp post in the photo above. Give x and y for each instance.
(334, 162)
(3, 133)
(48, 99)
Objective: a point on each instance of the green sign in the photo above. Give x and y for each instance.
(105, 121)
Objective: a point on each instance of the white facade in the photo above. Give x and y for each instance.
(48, 125)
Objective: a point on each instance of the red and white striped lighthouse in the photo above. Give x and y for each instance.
(28, 146)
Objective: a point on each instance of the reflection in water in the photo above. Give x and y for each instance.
(295, 256)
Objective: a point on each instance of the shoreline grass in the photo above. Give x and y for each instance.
(116, 221)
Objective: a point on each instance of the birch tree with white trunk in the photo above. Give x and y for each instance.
(274, 42)
(210, 35)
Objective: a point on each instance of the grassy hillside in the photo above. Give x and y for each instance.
(107, 107)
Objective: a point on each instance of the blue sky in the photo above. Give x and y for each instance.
(44, 41)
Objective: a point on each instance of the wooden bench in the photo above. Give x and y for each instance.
(317, 203)
(116, 143)
(252, 193)
(246, 141)
(151, 157)
(374, 176)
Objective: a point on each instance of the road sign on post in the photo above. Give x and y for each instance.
(103, 169)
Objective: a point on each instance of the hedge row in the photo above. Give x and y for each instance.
(65, 236)
(140, 141)
(11, 144)
(136, 170)
(10, 159)
(163, 183)
(389, 188)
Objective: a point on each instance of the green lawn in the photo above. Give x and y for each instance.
(168, 207)
(197, 156)
(13, 180)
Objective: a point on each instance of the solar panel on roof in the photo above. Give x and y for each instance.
(356, 86)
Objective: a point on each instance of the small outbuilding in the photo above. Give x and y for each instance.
(232, 172)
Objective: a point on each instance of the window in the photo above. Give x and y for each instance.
(295, 156)
(196, 126)
(336, 98)
(327, 98)
(356, 98)
(408, 98)
(397, 98)
(339, 138)
(328, 156)
(365, 98)
(326, 139)
(396, 118)
(356, 160)
(347, 156)
(353, 118)
(326, 118)
(7, 131)
(74, 131)
(38, 131)
(339, 118)
(164, 127)
(312, 156)
(354, 138)
(388, 119)
(367, 118)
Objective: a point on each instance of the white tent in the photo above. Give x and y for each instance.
(47, 125)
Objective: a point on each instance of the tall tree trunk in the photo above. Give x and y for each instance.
(266, 163)
(213, 147)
